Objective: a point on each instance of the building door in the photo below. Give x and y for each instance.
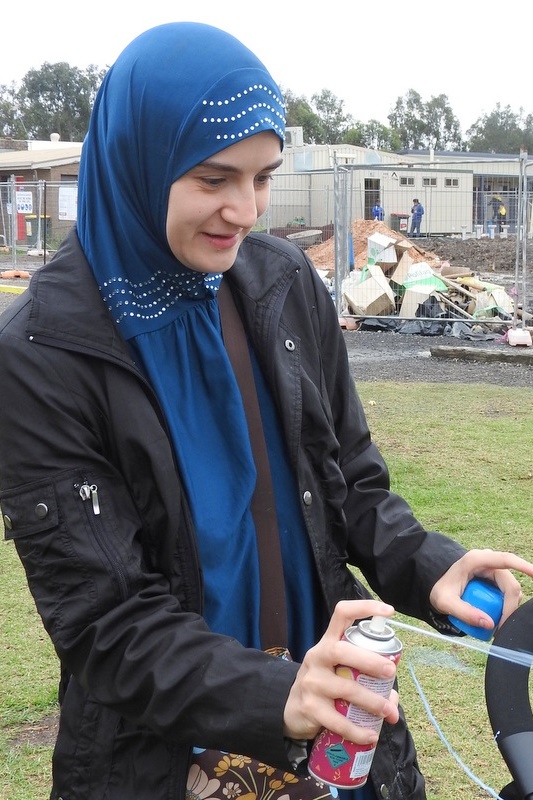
(372, 195)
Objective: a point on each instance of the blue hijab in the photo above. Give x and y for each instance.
(177, 95)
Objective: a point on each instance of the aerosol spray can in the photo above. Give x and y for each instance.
(334, 760)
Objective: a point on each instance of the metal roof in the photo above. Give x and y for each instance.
(40, 159)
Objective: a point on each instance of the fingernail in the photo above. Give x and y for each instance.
(389, 669)
(388, 708)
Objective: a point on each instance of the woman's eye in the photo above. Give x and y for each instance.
(213, 181)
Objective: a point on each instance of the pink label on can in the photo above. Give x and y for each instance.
(337, 761)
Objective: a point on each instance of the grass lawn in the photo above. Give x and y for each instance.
(463, 457)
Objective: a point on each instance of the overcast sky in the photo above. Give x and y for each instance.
(367, 55)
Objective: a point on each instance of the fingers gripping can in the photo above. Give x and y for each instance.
(333, 759)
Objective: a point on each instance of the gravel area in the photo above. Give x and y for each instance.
(388, 356)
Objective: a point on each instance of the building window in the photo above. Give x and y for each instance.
(407, 181)
(451, 183)
(429, 181)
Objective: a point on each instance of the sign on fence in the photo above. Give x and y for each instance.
(24, 202)
(67, 202)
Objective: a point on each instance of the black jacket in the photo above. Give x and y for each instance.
(92, 498)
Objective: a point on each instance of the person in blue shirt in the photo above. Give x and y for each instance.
(378, 212)
(417, 212)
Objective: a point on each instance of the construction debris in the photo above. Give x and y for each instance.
(393, 276)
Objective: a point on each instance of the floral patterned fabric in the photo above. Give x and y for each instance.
(215, 775)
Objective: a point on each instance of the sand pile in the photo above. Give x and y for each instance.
(323, 255)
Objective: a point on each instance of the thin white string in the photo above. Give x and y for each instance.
(525, 659)
(514, 656)
(444, 740)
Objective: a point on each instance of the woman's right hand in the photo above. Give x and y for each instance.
(310, 705)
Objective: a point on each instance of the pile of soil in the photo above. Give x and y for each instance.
(481, 256)
(492, 260)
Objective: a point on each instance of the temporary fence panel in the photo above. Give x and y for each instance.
(35, 217)
(342, 231)
(309, 208)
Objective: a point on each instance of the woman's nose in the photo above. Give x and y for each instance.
(241, 208)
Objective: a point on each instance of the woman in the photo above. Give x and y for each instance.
(127, 474)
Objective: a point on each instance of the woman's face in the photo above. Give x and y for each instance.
(214, 205)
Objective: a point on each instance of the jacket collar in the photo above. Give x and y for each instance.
(67, 308)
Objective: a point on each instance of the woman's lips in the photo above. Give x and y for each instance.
(223, 241)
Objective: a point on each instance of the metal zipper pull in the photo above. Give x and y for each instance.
(91, 492)
(94, 498)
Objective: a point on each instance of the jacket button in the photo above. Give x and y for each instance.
(289, 344)
(307, 498)
(7, 522)
(384, 791)
(41, 510)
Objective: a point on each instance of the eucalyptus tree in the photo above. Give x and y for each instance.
(58, 98)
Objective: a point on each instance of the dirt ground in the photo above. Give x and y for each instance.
(377, 356)
(480, 255)
(487, 258)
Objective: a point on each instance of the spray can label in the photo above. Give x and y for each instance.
(335, 760)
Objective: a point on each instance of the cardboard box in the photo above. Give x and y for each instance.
(489, 303)
(371, 296)
(421, 274)
(381, 249)
(413, 298)
(402, 268)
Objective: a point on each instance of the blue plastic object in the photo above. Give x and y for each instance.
(488, 598)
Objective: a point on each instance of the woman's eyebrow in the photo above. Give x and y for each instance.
(212, 163)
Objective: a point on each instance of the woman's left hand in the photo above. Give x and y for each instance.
(493, 565)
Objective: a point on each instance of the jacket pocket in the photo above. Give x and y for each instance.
(31, 511)
(79, 547)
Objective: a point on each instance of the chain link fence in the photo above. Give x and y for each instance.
(35, 218)
(308, 208)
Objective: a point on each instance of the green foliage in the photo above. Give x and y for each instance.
(11, 124)
(407, 119)
(425, 125)
(443, 129)
(299, 114)
(335, 122)
(57, 98)
(374, 135)
(502, 131)
(323, 120)
(414, 124)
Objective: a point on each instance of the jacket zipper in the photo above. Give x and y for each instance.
(89, 491)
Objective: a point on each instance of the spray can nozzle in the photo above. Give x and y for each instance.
(376, 628)
(377, 625)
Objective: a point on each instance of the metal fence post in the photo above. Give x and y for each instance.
(341, 229)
